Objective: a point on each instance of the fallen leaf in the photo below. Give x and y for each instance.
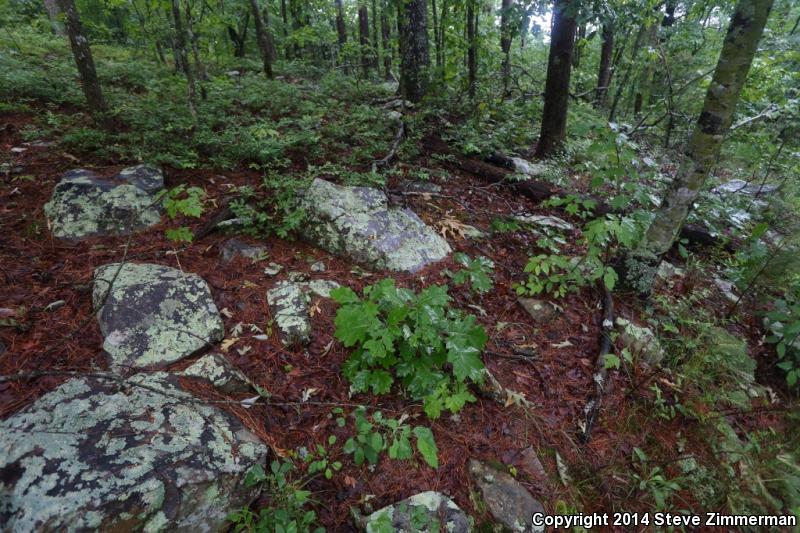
(227, 343)
(564, 344)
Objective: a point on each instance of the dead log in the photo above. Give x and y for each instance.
(221, 215)
(600, 377)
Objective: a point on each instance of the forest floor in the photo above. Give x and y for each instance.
(556, 379)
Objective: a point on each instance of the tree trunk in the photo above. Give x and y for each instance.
(442, 41)
(83, 58)
(472, 49)
(375, 49)
(239, 37)
(53, 11)
(436, 36)
(183, 58)
(363, 37)
(604, 74)
(505, 42)
(612, 114)
(642, 95)
(386, 42)
(579, 44)
(412, 22)
(738, 49)
(263, 38)
(556, 89)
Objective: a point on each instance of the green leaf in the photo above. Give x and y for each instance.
(426, 445)
(610, 278)
(611, 361)
(181, 234)
(464, 345)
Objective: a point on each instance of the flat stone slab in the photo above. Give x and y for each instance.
(426, 512)
(233, 248)
(506, 499)
(357, 223)
(544, 220)
(85, 205)
(215, 368)
(744, 187)
(136, 455)
(153, 315)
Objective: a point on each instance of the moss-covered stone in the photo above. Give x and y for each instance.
(640, 341)
(356, 222)
(85, 205)
(152, 315)
(141, 455)
(422, 513)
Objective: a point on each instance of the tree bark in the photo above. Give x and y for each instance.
(363, 37)
(579, 44)
(386, 42)
(83, 58)
(744, 32)
(612, 114)
(472, 49)
(556, 90)
(183, 58)
(604, 73)
(642, 96)
(375, 50)
(263, 38)
(505, 42)
(412, 22)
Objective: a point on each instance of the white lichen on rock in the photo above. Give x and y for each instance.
(424, 512)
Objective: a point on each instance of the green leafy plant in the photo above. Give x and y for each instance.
(784, 324)
(388, 434)
(186, 201)
(416, 339)
(287, 503)
(476, 272)
(319, 460)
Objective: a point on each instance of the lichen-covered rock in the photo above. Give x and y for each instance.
(743, 187)
(667, 270)
(422, 513)
(320, 287)
(85, 205)
(233, 248)
(220, 372)
(543, 220)
(152, 315)
(640, 341)
(541, 311)
(523, 166)
(289, 307)
(140, 455)
(505, 498)
(357, 223)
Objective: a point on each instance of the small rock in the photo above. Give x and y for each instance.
(727, 289)
(743, 187)
(523, 166)
(529, 463)
(233, 248)
(640, 341)
(320, 287)
(394, 115)
(272, 269)
(319, 266)
(423, 187)
(289, 308)
(152, 315)
(425, 512)
(52, 306)
(297, 277)
(667, 270)
(505, 498)
(18, 150)
(542, 220)
(220, 372)
(541, 311)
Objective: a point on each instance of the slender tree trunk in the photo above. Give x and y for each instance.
(412, 23)
(435, 35)
(604, 74)
(83, 58)
(624, 82)
(442, 39)
(284, 25)
(472, 48)
(263, 38)
(375, 49)
(194, 39)
(183, 58)
(642, 95)
(576, 55)
(556, 89)
(505, 42)
(524, 26)
(363, 37)
(744, 32)
(386, 42)
(53, 11)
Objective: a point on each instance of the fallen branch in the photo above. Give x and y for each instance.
(223, 214)
(592, 409)
(386, 161)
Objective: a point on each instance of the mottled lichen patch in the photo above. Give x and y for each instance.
(137, 455)
(289, 307)
(153, 315)
(355, 222)
(218, 370)
(424, 512)
(84, 204)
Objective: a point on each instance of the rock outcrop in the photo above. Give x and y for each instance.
(123, 455)
(85, 205)
(425, 512)
(357, 223)
(152, 315)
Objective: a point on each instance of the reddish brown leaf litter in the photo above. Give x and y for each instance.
(38, 270)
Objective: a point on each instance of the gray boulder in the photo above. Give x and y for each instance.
(85, 205)
(540, 311)
(357, 223)
(289, 307)
(216, 369)
(523, 166)
(152, 315)
(506, 499)
(137, 455)
(640, 341)
(424, 512)
(737, 186)
(233, 248)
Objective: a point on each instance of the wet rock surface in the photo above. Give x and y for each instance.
(506, 499)
(129, 455)
(85, 205)
(152, 315)
(357, 223)
(425, 512)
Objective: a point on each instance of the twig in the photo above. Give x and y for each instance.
(386, 161)
(592, 409)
